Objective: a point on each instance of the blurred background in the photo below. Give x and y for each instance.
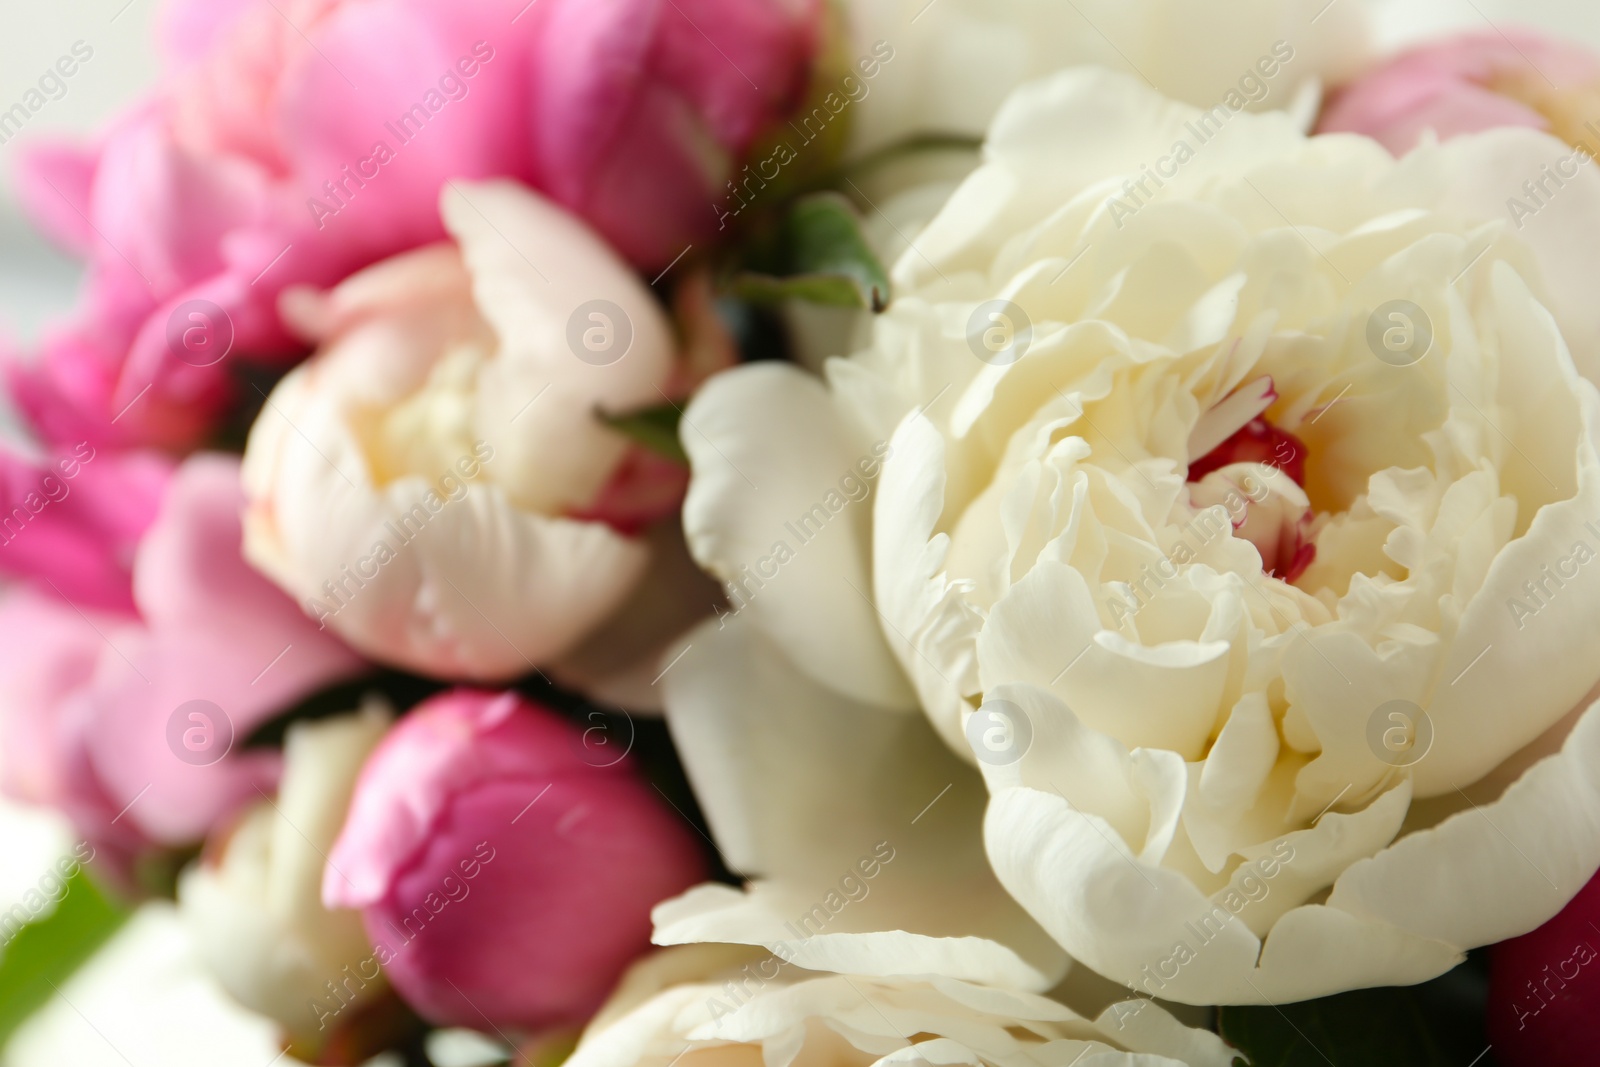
(144, 1001)
(149, 1001)
(36, 281)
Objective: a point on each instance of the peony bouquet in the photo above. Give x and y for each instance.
(823, 532)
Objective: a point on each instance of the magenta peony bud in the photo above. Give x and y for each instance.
(643, 110)
(1543, 988)
(1477, 81)
(504, 877)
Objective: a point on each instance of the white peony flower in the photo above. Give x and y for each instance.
(436, 484)
(1237, 497)
(255, 907)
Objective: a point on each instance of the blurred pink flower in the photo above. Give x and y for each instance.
(1543, 987)
(505, 864)
(90, 696)
(644, 109)
(1477, 81)
(71, 522)
(278, 151)
(67, 392)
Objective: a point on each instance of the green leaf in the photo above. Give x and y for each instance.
(1367, 1028)
(45, 953)
(831, 289)
(820, 255)
(906, 148)
(655, 428)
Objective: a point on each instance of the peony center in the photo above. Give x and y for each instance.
(1257, 441)
(1228, 448)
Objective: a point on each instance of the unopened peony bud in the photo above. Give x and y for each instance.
(643, 111)
(505, 877)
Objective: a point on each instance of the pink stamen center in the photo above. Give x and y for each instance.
(1257, 441)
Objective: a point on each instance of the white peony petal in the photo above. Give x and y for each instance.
(844, 858)
(1068, 132)
(1151, 929)
(1473, 174)
(1045, 631)
(1243, 756)
(806, 933)
(1533, 660)
(1119, 916)
(930, 629)
(952, 64)
(537, 270)
(786, 525)
(410, 485)
(700, 1007)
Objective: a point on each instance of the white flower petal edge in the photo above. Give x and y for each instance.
(778, 511)
(705, 1004)
(256, 908)
(861, 831)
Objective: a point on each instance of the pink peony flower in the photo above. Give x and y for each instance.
(295, 143)
(505, 866)
(1477, 81)
(124, 718)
